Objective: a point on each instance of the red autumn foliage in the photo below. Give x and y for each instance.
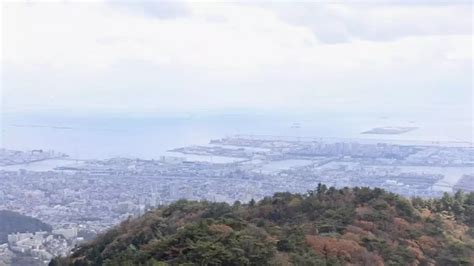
(221, 229)
(347, 249)
(428, 244)
(366, 225)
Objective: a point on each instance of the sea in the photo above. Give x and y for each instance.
(149, 136)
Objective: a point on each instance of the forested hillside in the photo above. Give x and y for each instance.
(327, 226)
(13, 222)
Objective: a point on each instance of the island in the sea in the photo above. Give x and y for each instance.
(389, 130)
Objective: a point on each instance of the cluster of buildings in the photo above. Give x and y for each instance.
(10, 157)
(83, 198)
(44, 245)
(38, 248)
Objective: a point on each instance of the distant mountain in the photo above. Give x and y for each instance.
(328, 226)
(13, 222)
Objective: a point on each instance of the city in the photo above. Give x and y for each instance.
(81, 198)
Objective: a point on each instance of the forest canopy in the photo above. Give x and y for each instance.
(325, 226)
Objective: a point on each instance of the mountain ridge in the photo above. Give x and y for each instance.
(325, 226)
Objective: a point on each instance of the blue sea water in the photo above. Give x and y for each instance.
(150, 136)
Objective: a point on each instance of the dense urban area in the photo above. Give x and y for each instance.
(81, 198)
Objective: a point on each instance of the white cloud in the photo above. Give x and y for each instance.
(376, 21)
(153, 9)
(93, 56)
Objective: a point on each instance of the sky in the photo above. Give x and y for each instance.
(182, 56)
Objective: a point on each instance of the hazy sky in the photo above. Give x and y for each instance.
(389, 56)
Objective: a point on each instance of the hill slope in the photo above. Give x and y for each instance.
(13, 222)
(358, 226)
